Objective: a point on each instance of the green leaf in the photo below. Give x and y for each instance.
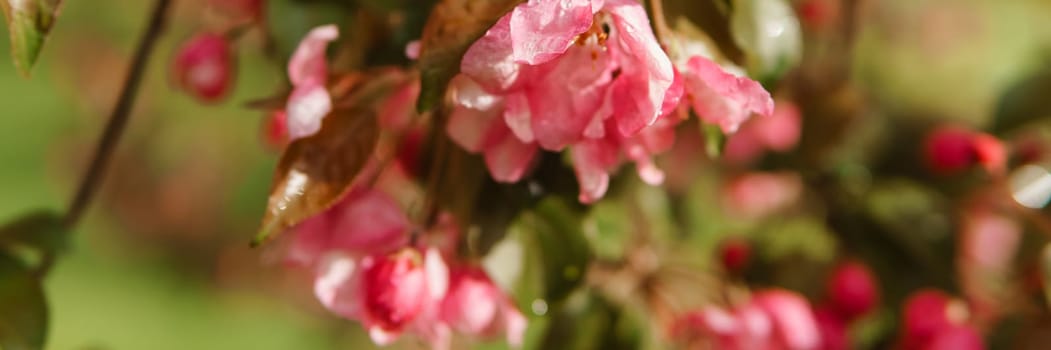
(1024, 102)
(41, 230)
(560, 247)
(23, 310)
(451, 28)
(29, 22)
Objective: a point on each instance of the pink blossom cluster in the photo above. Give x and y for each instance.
(590, 77)
(770, 319)
(366, 269)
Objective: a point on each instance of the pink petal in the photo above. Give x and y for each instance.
(567, 93)
(517, 116)
(542, 30)
(368, 222)
(592, 161)
(780, 130)
(471, 305)
(793, 320)
(475, 115)
(437, 273)
(515, 323)
(647, 73)
(509, 158)
(722, 98)
(307, 106)
(308, 63)
(337, 285)
(489, 61)
(397, 111)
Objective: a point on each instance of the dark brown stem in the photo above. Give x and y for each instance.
(119, 119)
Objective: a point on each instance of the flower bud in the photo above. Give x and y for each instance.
(735, 254)
(203, 67)
(852, 290)
(476, 307)
(395, 290)
(927, 313)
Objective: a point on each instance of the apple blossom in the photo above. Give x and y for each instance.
(204, 67)
(310, 101)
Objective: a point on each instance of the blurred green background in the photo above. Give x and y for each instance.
(162, 261)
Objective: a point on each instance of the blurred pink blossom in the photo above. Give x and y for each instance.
(778, 132)
(772, 319)
(852, 290)
(722, 98)
(310, 101)
(475, 306)
(204, 67)
(757, 195)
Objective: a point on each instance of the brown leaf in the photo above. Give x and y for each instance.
(314, 172)
(451, 28)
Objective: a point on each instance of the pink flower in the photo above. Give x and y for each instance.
(583, 74)
(720, 97)
(310, 101)
(388, 294)
(475, 306)
(204, 67)
(365, 222)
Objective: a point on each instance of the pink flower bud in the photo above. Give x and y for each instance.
(275, 129)
(952, 149)
(395, 289)
(203, 67)
(310, 101)
(735, 254)
(948, 150)
(852, 290)
(476, 307)
(927, 313)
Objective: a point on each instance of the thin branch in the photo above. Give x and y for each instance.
(119, 119)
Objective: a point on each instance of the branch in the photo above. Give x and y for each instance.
(119, 119)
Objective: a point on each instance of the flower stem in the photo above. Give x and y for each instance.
(119, 118)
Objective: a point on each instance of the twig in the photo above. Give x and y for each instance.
(119, 119)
